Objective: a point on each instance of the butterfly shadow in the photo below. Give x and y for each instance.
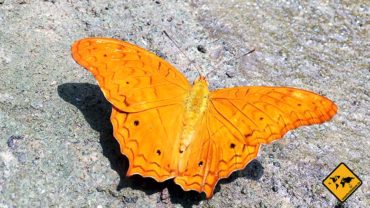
(253, 171)
(96, 110)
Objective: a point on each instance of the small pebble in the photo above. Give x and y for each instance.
(201, 49)
(169, 19)
(130, 200)
(277, 164)
(22, 158)
(275, 188)
(13, 141)
(165, 196)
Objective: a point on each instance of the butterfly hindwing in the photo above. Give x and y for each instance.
(147, 139)
(217, 151)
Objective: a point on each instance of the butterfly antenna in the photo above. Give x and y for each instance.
(239, 57)
(184, 54)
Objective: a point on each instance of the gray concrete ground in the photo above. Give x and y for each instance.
(56, 144)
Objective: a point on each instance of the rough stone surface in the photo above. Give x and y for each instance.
(56, 144)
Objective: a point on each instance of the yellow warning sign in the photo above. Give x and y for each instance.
(342, 182)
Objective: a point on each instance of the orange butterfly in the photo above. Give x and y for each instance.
(170, 129)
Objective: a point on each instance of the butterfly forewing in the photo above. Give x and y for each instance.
(131, 78)
(263, 114)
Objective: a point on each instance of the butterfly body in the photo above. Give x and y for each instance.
(196, 104)
(170, 129)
